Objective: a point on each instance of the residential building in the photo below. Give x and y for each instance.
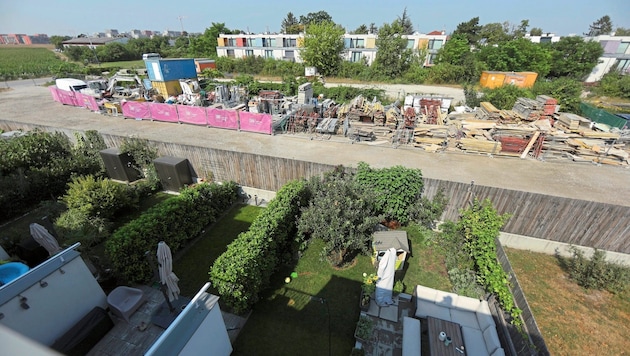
(357, 47)
(20, 38)
(111, 33)
(616, 56)
(543, 38)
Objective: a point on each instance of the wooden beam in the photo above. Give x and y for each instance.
(530, 144)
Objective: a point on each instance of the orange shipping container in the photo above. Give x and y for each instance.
(202, 64)
(166, 89)
(492, 79)
(514, 79)
(530, 78)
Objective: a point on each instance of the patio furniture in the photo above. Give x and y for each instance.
(477, 324)
(124, 301)
(452, 330)
(412, 337)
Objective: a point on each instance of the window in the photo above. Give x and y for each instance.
(410, 44)
(249, 42)
(230, 53)
(289, 42)
(231, 42)
(249, 52)
(357, 43)
(545, 40)
(431, 59)
(623, 65)
(268, 53)
(269, 42)
(355, 57)
(435, 44)
(289, 54)
(623, 47)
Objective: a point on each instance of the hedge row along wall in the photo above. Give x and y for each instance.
(174, 221)
(245, 269)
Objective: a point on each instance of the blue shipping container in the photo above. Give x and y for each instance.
(164, 70)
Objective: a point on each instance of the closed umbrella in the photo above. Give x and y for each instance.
(44, 238)
(385, 284)
(165, 265)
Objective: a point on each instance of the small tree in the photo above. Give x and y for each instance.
(603, 26)
(393, 57)
(291, 25)
(323, 44)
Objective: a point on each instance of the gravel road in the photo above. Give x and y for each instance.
(33, 105)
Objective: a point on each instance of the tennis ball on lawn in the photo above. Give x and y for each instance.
(287, 280)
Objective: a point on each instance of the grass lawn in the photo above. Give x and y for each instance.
(291, 320)
(572, 320)
(137, 64)
(193, 264)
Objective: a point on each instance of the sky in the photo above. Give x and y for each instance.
(71, 17)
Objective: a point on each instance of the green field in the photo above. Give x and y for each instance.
(139, 64)
(19, 62)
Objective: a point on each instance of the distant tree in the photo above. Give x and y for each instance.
(620, 31)
(206, 44)
(315, 18)
(323, 44)
(291, 25)
(393, 57)
(113, 52)
(373, 28)
(603, 26)
(517, 55)
(536, 31)
(574, 58)
(58, 40)
(492, 33)
(361, 30)
(520, 30)
(471, 31)
(405, 22)
(454, 50)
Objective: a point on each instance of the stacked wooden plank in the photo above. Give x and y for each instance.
(487, 111)
(480, 145)
(427, 134)
(571, 122)
(550, 105)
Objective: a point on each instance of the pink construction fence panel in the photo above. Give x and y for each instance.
(255, 122)
(136, 109)
(53, 91)
(67, 97)
(87, 101)
(163, 112)
(225, 119)
(192, 114)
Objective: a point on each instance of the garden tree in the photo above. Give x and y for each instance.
(614, 84)
(470, 30)
(520, 30)
(536, 31)
(405, 22)
(323, 44)
(361, 30)
(78, 53)
(341, 213)
(291, 25)
(373, 28)
(114, 52)
(492, 33)
(393, 57)
(621, 31)
(504, 97)
(315, 18)
(573, 57)
(517, 55)
(57, 41)
(456, 52)
(206, 44)
(603, 26)
(566, 90)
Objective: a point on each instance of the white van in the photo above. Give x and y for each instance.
(71, 84)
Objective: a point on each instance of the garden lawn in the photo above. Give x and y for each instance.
(137, 64)
(573, 321)
(193, 263)
(290, 319)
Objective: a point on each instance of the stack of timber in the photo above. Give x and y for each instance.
(429, 136)
(480, 145)
(532, 110)
(487, 111)
(572, 122)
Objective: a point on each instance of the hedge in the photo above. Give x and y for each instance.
(174, 221)
(245, 268)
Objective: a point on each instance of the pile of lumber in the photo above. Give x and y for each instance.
(571, 122)
(487, 111)
(480, 145)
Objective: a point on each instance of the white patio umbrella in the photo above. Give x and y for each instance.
(44, 238)
(385, 283)
(165, 266)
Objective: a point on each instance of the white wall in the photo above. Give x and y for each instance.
(54, 309)
(210, 338)
(600, 69)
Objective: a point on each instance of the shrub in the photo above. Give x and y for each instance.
(245, 268)
(174, 221)
(504, 97)
(98, 197)
(77, 226)
(596, 273)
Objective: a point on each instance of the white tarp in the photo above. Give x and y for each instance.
(167, 277)
(44, 238)
(385, 284)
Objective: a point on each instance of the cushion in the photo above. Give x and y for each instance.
(466, 303)
(498, 352)
(445, 299)
(411, 337)
(491, 338)
(426, 309)
(425, 293)
(484, 318)
(473, 342)
(465, 318)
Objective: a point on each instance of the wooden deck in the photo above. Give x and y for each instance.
(137, 336)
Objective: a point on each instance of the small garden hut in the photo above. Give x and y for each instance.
(384, 240)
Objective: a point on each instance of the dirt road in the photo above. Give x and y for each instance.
(22, 107)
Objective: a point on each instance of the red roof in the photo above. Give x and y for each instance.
(435, 33)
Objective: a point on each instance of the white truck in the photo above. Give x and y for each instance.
(94, 88)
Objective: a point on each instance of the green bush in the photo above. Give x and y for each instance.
(597, 273)
(614, 84)
(504, 97)
(175, 221)
(78, 226)
(244, 270)
(98, 197)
